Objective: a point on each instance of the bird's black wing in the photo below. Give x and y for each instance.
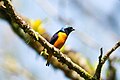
(54, 38)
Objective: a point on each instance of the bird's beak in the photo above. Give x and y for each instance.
(73, 29)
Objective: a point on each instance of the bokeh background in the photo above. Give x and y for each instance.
(96, 22)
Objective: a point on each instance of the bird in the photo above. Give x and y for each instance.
(58, 39)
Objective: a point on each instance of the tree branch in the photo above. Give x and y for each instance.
(103, 60)
(7, 7)
(109, 52)
(98, 70)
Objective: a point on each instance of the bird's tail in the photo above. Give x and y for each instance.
(48, 59)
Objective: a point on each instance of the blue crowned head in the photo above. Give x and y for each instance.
(67, 29)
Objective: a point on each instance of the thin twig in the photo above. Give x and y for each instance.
(100, 57)
(103, 60)
(109, 52)
(98, 70)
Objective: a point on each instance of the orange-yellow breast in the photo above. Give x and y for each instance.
(61, 40)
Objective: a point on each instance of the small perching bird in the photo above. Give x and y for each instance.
(59, 39)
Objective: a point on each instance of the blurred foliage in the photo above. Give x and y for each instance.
(14, 70)
(37, 26)
(111, 71)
